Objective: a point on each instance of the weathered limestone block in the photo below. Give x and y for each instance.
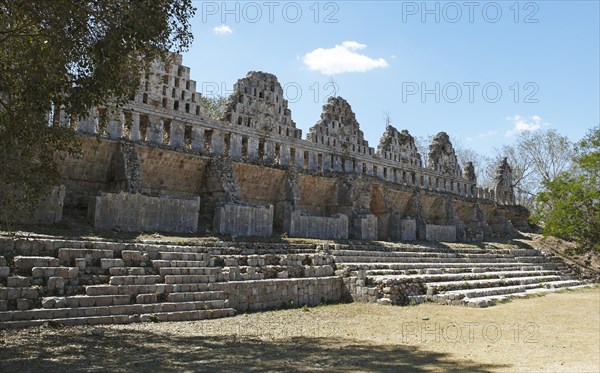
(403, 229)
(318, 226)
(136, 212)
(26, 263)
(445, 233)
(18, 282)
(365, 227)
(240, 220)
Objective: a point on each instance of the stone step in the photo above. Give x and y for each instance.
(128, 309)
(13, 293)
(195, 279)
(165, 271)
(156, 264)
(125, 319)
(133, 290)
(24, 264)
(403, 266)
(107, 263)
(92, 257)
(417, 259)
(135, 280)
(127, 271)
(485, 283)
(501, 290)
(461, 277)
(402, 254)
(176, 255)
(55, 271)
(452, 270)
(85, 301)
(491, 300)
(195, 296)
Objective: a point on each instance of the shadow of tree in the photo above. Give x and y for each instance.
(76, 349)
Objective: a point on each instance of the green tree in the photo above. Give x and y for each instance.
(569, 205)
(215, 106)
(61, 58)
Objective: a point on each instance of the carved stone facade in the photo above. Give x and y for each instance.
(163, 144)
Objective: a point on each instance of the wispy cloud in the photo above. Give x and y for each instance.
(223, 30)
(341, 59)
(523, 124)
(488, 133)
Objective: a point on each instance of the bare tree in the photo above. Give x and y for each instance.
(536, 157)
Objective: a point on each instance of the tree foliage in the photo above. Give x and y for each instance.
(569, 205)
(63, 58)
(215, 106)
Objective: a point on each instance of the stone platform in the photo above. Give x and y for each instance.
(92, 282)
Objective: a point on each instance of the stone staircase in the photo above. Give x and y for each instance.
(74, 282)
(113, 283)
(460, 275)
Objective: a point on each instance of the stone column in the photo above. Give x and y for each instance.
(177, 133)
(197, 139)
(235, 145)
(252, 148)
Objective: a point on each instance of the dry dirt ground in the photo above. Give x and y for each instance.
(556, 333)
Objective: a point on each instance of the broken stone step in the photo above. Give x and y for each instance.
(134, 280)
(188, 315)
(85, 301)
(340, 254)
(128, 309)
(441, 260)
(403, 266)
(486, 292)
(24, 264)
(195, 296)
(125, 319)
(194, 279)
(129, 290)
(179, 263)
(107, 263)
(184, 256)
(190, 271)
(92, 257)
(562, 284)
(127, 271)
(459, 277)
(14, 293)
(47, 272)
(483, 283)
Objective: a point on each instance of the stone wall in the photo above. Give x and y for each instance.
(162, 143)
(137, 212)
(318, 227)
(366, 227)
(277, 293)
(239, 220)
(49, 209)
(403, 229)
(445, 233)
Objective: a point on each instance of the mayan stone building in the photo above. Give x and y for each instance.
(159, 163)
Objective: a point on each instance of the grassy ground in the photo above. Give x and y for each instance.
(554, 333)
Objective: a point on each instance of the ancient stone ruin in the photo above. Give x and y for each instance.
(162, 165)
(159, 163)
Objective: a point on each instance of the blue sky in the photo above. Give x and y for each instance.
(481, 71)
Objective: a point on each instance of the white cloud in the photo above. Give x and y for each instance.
(341, 59)
(524, 124)
(488, 133)
(223, 30)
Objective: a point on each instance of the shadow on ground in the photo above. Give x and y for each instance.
(60, 350)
